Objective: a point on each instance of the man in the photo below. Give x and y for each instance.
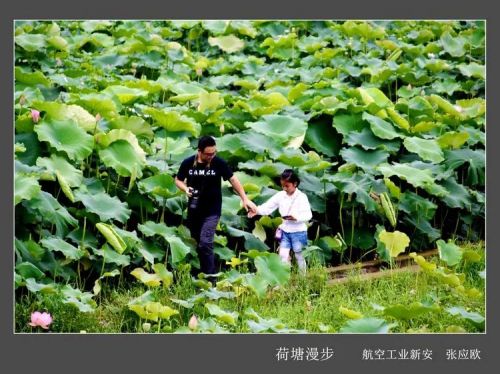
(199, 176)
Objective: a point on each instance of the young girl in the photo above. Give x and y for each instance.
(295, 210)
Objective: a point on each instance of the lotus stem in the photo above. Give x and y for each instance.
(117, 182)
(352, 233)
(340, 213)
(103, 263)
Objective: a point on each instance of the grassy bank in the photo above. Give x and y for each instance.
(403, 303)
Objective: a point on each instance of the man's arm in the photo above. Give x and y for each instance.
(181, 185)
(247, 204)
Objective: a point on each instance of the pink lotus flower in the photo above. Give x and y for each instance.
(193, 323)
(40, 319)
(35, 115)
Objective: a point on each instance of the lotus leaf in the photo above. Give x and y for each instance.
(272, 269)
(153, 311)
(73, 113)
(453, 139)
(121, 156)
(71, 175)
(112, 237)
(59, 245)
(449, 252)
(28, 270)
(228, 43)
(52, 211)
(134, 124)
(279, 127)
(150, 280)
(173, 121)
(367, 140)
(251, 242)
(407, 312)
(31, 78)
(414, 176)
(67, 137)
(381, 128)
(31, 42)
(159, 184)
(349, 313)
(323, 138)
(178, 248)
(367, 325)
(395, 242)
(455, 46)
(471, 316)
(427, 149)
(82, 300)
(358, 184)
(458, 196)
(25, 188)
(46, 288)
(227, 317)
(366, 160)
(166, 276)
(112, 257)
(106, 105)
(105, 206)
(210, 101)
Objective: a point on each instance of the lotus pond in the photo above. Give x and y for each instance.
(383, 120)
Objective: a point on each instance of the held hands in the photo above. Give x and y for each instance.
(251, 214)
(250, 206)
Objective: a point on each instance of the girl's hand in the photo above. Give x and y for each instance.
(251, 214)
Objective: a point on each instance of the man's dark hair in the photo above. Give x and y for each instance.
(290, 176)
(205, 141)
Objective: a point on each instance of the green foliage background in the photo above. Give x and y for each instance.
(359, 108)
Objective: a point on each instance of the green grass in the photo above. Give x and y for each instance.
(307, 303)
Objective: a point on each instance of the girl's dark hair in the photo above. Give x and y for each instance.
(290, 176)
(205, 141)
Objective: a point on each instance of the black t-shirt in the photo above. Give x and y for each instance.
(207, 180)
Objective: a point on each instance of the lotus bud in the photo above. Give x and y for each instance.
(221, 129)
(409, 86)
(58, 62)
(35, 115)
(146, 327)
(41, 319)
(199, 72)
(98, 117)
(193, 322)
(22, 100)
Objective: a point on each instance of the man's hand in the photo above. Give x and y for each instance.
(181, 185)
(249, 205)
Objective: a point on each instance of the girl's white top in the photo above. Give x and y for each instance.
(300, 209)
